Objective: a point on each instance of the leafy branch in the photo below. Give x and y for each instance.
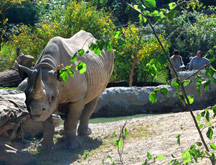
(188, 99)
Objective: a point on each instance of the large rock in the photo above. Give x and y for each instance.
(122, 101)
(14, 117)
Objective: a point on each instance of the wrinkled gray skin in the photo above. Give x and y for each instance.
(44, 92)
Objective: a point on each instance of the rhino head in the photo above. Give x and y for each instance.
(42, 92)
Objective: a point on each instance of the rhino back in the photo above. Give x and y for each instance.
(99, 68)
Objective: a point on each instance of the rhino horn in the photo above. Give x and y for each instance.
(25, 69)
(37, 92)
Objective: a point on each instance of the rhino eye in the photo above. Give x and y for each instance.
(52, 98)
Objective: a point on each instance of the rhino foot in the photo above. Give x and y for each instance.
(74, 144)
(48, 147)
(85, 132)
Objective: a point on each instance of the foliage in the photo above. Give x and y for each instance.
(125, 48)
(192, 31)
(32, 40)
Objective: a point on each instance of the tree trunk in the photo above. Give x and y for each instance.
(134, 63)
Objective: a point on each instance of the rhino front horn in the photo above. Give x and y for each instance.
(38, 92)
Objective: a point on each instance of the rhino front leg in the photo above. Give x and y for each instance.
(89, 108)
(70, 124)
(48, 133)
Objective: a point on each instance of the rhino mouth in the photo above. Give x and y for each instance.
(36, 116)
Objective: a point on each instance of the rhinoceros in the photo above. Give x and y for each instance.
(45, 91)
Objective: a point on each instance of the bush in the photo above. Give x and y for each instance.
(149, 49)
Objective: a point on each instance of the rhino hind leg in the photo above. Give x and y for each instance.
(89, 108)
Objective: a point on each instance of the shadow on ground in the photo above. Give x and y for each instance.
(15, 153)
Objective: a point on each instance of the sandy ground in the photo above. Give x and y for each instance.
(153, 134)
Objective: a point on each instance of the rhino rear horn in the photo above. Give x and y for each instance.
(22, 69)
(37, 91)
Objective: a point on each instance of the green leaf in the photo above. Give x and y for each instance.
(186, 82)
(82, 67)
(64, 76)
(186, 157)
(101, 1)
(153, 97)
(137, 7)
(153, 71)
(160, 157)
(73, 59)
(176, 84)
(207, 84)
(172, 5)
(81, 52)
(200, 126)
(198, 143)
(207, 116)
(190, 98)
(178, 139)
(162, 59)
(198, 118)
(149, 156)
(126, 131)
(213, 146)
(210, 72)
(117, 34)
(203, 113)
(108, 46)
(150, 3)
(121, 42)
(209, 133)
(164, 91)
(172, 14)
(154, 13)
(70, 72)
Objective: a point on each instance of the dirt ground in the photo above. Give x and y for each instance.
(153, 134)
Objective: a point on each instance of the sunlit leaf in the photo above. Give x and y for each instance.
(172, 5)
(164, 91)
(160, 157)
(150, 3)
(186, 157)
(213, 146)
(117, 34)
(108, 46)
(149, 156)
(198, 118)
(82, 67)
(186, 82)
(73, 59)
(190, 99)
(200, 126)
(153, 97)
(210, 72)
(81, 52)
(64, 76)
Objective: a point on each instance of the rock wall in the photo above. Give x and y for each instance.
(122, 101)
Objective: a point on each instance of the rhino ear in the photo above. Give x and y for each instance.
(57, 75)
(24, 71)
